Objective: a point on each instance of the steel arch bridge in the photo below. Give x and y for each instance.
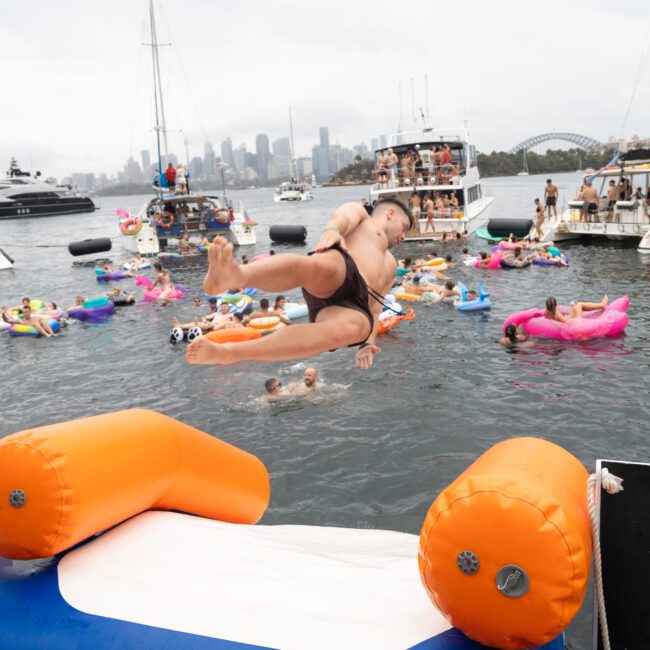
(582, 141)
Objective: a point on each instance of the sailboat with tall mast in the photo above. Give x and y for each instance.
(171, 214)
(292, 190)
(525, 170)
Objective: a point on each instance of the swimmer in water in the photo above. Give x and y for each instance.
(274, 390)
(512, 337)
(343, 283)
(309, 383)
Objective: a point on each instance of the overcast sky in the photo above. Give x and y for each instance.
(77, 96)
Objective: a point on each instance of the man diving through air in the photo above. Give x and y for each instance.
(343, 282)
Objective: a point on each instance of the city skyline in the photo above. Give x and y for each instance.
(75, 101)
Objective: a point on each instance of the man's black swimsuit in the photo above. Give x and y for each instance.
(352, 294)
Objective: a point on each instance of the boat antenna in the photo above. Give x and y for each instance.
(157, 86)
(294, 173)
(413, 102)
(426, 97)
(399, 122)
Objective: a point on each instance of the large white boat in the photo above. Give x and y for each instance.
(460, 176)
(292, 191)
(168, 216)
(627, 218)
(23, 195)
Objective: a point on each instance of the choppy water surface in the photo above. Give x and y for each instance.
(380, 445)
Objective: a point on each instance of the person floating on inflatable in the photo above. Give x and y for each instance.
(343, 283)
(552, 313)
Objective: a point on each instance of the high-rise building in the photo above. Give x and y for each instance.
(226, 152)
(374, 144)
(305, 167)
(324, 133)
(263, 155)
(196, 167)
(209, 165)
(334, 158)
(146, 161)
(239, 157)
(383, 141)
(321, 155)
(281, 147)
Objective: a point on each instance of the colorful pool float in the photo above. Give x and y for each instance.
(481, 303)
(94, 310)
(29, 330)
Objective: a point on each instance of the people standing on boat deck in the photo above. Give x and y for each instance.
(539, 217)
(163, 280)
(590, 195)
(612, 195)
(445, 163)
(551, 194)
(429, 210)
(181, 180)
(350, 266)
(638, 195)
(392, 163)
(170, 176)
(416, 206)
(406, 164)
(382, 168)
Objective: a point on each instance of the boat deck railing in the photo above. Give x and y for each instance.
(400, 181)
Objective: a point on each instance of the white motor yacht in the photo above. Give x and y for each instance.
(625, 217)
(460, 176)
(23, 195)
(292, 191)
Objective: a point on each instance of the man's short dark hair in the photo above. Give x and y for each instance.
(548, 180)
(270, 384)
(402, 207)
(264, 303)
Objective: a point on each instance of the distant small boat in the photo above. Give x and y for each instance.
(525, 171)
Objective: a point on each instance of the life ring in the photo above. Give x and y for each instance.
(131, 226)
(165, 223)
(264, 323)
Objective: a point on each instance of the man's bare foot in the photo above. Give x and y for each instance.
(605, 301)
(223, 272)
(202, 351)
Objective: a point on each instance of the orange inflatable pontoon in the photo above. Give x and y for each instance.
(505, 550)
(64, 482)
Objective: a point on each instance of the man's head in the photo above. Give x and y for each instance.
(273, 386)
(27, 311)
(449, 285)
(416, 280)
(158, 265)
(611, 183)
(518, 251)
(224, 308)
(398, 219)
(310, 377)
(26, 302)
(264, 304)
(548, 181)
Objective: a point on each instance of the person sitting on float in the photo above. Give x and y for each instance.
(118, 298)
(78, 302)
(451, 291)
(266, 312)
(135, 263)
(39, 324)
(485, 259)
(575, 310)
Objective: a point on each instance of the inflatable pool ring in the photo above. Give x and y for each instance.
(295, 310)
(517, 516)
(391, 321)
(512, 263)
(438, 263)
(261, 256)
(390, 308)
(165, 220)
(540, 261)
(35, 305)
(495, 261)
(234, 335)
(603, 322)
(4, 325)
(94, 310)
(154, 294)
(264, 322)
(481, 303)
(143, 265)
(29, 330)
(471, 261)
(102, 276)
(237, 304)
(414, 297)
(554, 251)
(131, 226)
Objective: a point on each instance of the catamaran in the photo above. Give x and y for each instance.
(170, 215)
(459, 176)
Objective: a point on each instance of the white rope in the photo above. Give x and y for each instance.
(612, 485)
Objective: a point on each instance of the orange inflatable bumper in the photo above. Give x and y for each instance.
(62, 483)
(505, 550)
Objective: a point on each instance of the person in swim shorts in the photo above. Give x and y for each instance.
(343, 283)
(550, 196)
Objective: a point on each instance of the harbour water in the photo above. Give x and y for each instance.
(378, 446)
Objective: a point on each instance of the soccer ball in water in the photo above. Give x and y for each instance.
(193, 332)
(176, 335)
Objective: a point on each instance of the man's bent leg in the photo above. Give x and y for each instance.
(320, 274)
(341, 327)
